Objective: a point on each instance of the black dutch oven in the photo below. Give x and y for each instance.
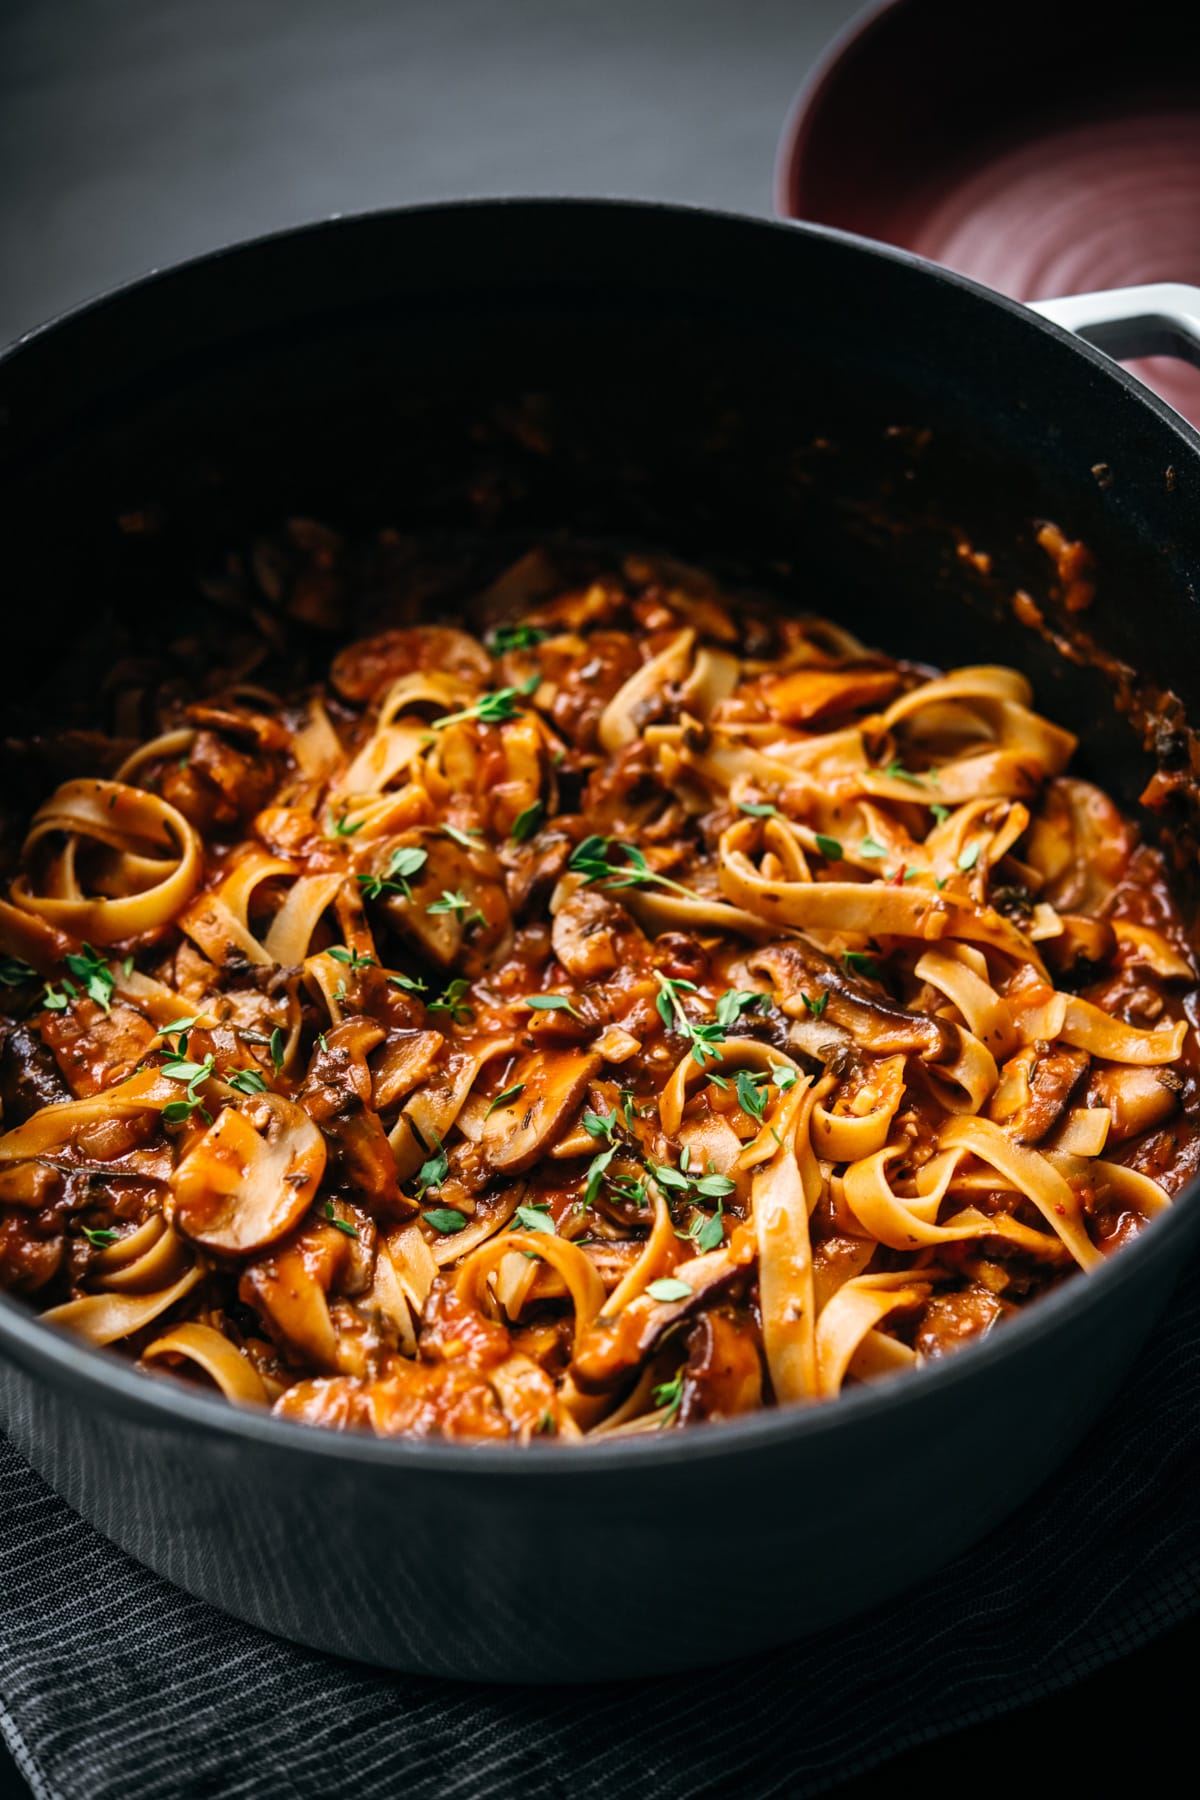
(833, 421)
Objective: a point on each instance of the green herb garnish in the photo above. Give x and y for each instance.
(404, 863)
(704, 1038)
(670, 1395)
(597, 1171)
(451, 901)
(552, 1003)
(341, 1225)
(247, 1081)
(100, 1239)
(510, 1093)
(668, 1287)
(536, 1218)
(515, 637)
(93, 971)
(445, 1219)
(491, 709)
(351, 958)
(193, 1075)
(452, 1001)
(751, 1098)
(434, 1170)
(526, 823)
(895, 772)
(593, 860)
(709, 1231)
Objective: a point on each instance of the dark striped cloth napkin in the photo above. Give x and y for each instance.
(113, 1686)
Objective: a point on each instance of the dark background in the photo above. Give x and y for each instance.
(136, 132)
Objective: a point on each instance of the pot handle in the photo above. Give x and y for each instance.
(1161, 319)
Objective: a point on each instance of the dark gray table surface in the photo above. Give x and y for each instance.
(136, 132)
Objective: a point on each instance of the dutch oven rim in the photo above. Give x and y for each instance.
(164, 1400)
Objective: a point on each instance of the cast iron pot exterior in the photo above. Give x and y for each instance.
(749, 393)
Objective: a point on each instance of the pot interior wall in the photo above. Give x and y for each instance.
(818, 422)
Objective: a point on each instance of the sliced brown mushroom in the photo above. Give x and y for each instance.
(339, 1081)
(1034, 1090)
(370, 665)
(1078, 843)
(611, 1346)
(401, 1064)
(593, 935)
(723, 1374)
(809, 694)
(1136, 1098)
(458, 916)
(952, 1320)
(1080, 942)
(552, 1084)
(801, 975)
(289, 1290)
(252, 1176)
(338, 1096)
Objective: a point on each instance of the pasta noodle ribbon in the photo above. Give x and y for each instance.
(1033, 1175)
(105, 1318)
(852, 1314)
(583, 1284)
(872, 909)
(213, 1353)
(845, 1133)
(785, 1275)
(151, 873)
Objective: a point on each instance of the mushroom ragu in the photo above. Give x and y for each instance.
(644, 1009)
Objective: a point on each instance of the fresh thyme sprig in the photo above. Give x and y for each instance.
(593, 860)
(704, 1035)
(514, 637)
(491, 709)
(405, 862)
(452, 1002)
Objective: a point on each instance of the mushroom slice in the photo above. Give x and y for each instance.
(1079, 844)
(1034, 1090)
(1136, 1099)
(808, 694)
(611, 1345)
(370, 665)
(459, 916)
(584, 934)
(552, 1083)
(252, 1176)
(406, 1060)
(800, 975)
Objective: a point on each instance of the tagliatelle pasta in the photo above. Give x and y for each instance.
(641, 1009)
